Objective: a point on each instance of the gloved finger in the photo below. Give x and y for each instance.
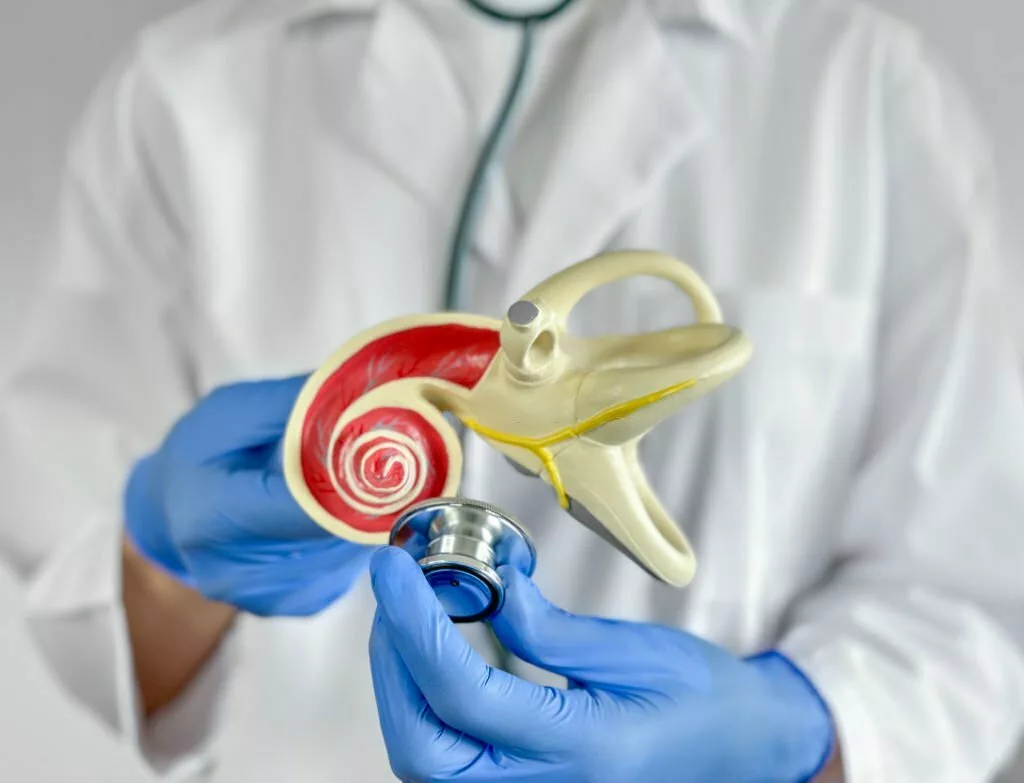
(514, 551)
(235, 418)
(419, 745)
(278, 579)
(259, 504)
(143, 526)
(464, 692)
(594, 650)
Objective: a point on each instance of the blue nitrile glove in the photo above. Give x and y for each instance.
(646, 702)
(211, 506)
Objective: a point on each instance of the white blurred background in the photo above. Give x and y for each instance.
(52, 52)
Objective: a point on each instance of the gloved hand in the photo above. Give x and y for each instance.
(645, 703)
(211, 506)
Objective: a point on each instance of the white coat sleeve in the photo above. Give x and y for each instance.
(916, 637)
(103, 368)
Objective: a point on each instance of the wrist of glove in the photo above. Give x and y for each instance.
(211, 507)
(644, 702)
(145, 521)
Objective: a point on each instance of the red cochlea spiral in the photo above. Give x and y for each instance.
(387, 458)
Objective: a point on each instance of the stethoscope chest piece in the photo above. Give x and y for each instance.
(460, 544)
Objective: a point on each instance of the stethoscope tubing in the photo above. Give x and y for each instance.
(508, 16)
(469, 212)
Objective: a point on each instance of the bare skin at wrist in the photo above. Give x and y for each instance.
(833, 771)
(172, 628)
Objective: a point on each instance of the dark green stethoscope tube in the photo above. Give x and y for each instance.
(465, 228)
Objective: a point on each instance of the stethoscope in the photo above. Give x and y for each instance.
(465, 228)
(460, 543)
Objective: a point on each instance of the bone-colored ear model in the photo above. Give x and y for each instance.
(368, 438)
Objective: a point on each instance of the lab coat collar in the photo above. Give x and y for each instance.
(742, 20)
(403, 111)
(627, 115)
(630, 116)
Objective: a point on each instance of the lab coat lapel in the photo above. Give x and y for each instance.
(629, 117)
(403, 111)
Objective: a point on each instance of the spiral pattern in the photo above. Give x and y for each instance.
(368, 452)
(381, 470)
(385, 472)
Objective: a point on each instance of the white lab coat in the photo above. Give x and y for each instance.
(263, 178)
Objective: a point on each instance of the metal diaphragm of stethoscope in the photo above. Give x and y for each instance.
(460, 544)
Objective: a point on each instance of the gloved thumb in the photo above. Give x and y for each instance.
(593, 650)
(236, 418)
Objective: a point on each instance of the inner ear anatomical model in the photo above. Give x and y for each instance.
(368, 437)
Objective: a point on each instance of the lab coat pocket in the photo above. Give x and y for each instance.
(789, 422)
(770, 451)
(797, 417)
(810, 351)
